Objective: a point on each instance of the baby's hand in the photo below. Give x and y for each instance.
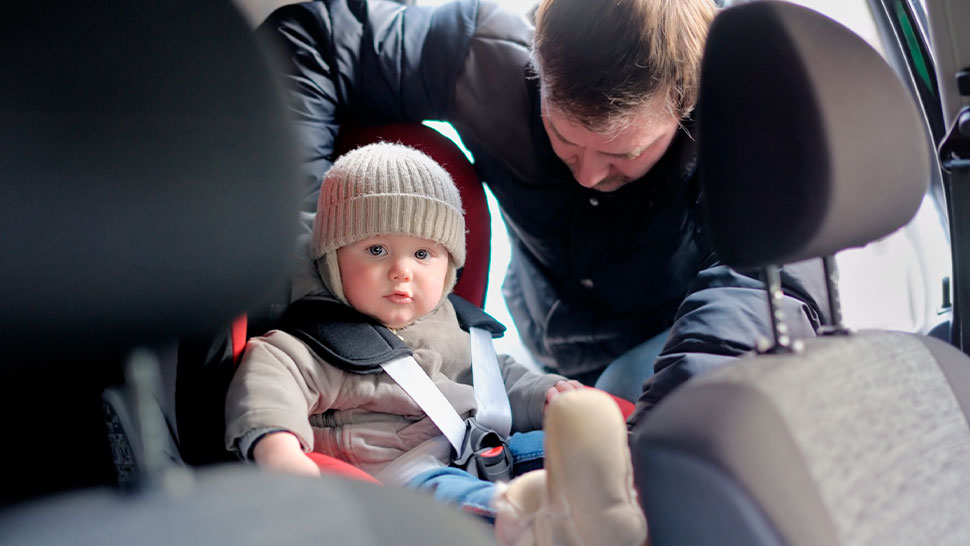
(561, 386)
(281, 451)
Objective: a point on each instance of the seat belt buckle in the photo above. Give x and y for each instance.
(484, 454)
(495, 464)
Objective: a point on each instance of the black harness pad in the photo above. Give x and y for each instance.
(356, 343)
(471, 316)
(342, 336)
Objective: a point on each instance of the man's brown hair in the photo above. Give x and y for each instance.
(602, 62)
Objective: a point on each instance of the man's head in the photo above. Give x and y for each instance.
(616, 78)
(389, 232)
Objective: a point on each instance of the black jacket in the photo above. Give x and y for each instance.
(592, 274)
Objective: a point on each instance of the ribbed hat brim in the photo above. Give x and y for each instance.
(349, 221)
(383, 189)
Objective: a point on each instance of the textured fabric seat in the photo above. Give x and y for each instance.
(150, 193)
(809, 144)
(860, 440)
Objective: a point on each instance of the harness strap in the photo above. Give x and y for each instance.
(355, 343)
(494, 410)
(407, 373)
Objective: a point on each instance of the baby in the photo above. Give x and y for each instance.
(388, 239)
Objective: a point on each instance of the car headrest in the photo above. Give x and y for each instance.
(809, 143)
(149, 185)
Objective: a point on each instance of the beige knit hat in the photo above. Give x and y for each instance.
(381, 189)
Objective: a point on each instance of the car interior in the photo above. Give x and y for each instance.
(150, 210)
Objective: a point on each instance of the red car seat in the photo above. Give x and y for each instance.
(473, 278)
(472, 281)
(206, 366)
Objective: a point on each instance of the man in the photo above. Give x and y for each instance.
(585, 139)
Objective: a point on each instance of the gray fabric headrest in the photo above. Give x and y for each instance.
(149, 183)
(809, 142)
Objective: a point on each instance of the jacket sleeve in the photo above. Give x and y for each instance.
(373, 61)
(722, 318)
(527, 393)
(277, 386)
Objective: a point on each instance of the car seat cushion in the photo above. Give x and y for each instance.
(848, 442)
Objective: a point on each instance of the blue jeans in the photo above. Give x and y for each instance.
(456, 487)
(624, 376)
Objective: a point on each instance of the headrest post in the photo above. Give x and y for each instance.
(782, 342)
(836, 328)
(143, 381)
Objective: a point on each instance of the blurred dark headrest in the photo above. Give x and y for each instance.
(148, 171)
(809, 142)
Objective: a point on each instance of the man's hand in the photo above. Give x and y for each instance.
(281, 451)
(561, 386)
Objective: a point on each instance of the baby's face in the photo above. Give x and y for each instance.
(395, 279)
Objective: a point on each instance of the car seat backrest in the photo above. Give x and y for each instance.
(149, 186)
(806, 127)
(809, 144)
(149, 190)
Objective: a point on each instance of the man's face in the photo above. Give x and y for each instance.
(395, 279)
(607, 162)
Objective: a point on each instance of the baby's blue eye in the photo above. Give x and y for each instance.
(375, 250)
(422, 254)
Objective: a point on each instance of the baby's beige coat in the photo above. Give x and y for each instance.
(366, 420)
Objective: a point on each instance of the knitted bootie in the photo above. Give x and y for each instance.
(585, 496)
(516, 505)
(591, 500)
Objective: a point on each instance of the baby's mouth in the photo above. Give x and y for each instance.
(399, 296)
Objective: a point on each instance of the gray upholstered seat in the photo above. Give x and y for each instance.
(149, 192)
(809, 144)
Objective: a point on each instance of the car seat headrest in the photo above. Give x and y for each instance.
(809, 143)
(149, 184)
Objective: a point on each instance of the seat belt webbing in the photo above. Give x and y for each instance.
(407, 373)
(494, 411)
